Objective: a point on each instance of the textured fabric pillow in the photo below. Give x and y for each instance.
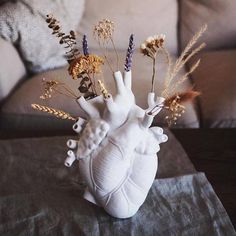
(11, 68)
(19, 104)
(143, 18)
(23, 23)
(216, 81)
(218, 14)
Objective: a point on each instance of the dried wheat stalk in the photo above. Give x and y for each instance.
(58, 113)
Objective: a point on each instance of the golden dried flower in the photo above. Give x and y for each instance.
(151, 44)
(91, 64)
(175, 104)
(104, 30)
(94, 64)
(55, 87)
(48, 88)
(176, 110)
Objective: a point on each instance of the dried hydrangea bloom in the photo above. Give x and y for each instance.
(104, 30)
(91, 64)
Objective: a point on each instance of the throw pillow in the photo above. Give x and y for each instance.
(22, 22)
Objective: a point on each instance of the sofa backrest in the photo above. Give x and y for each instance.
(143, 18)
(218, 14)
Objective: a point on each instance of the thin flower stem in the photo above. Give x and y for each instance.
(153, 74)
(66, 88)
(117, 56)
(58, 91)
(69, 90)
(105, 57)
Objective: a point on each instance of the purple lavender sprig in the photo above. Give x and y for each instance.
(129, 55)
(85, 45)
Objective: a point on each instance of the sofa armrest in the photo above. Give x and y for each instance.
(12, 68)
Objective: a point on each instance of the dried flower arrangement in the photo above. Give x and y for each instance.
(117, 146)
(84, 66)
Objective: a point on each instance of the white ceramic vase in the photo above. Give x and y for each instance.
(117, 149)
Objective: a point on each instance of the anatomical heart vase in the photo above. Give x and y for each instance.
(116, 146)
(117, 149)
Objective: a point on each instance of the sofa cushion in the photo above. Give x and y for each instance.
(218, 14)
(30, 91)
(23, 23)
(11, 70)
(143, 18)
(216, 80)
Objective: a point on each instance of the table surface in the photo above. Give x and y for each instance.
(213, 151)
(39, 194)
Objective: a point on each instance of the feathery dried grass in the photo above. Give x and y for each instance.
(185, 76)
(182, 60)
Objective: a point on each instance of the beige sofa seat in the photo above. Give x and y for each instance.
(17, 110)
(216, 80)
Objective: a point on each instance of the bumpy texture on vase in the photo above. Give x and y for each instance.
(117, 149)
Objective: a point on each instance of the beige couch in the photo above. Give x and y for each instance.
(22, 67)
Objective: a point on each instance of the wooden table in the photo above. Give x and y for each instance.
(213, 151)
